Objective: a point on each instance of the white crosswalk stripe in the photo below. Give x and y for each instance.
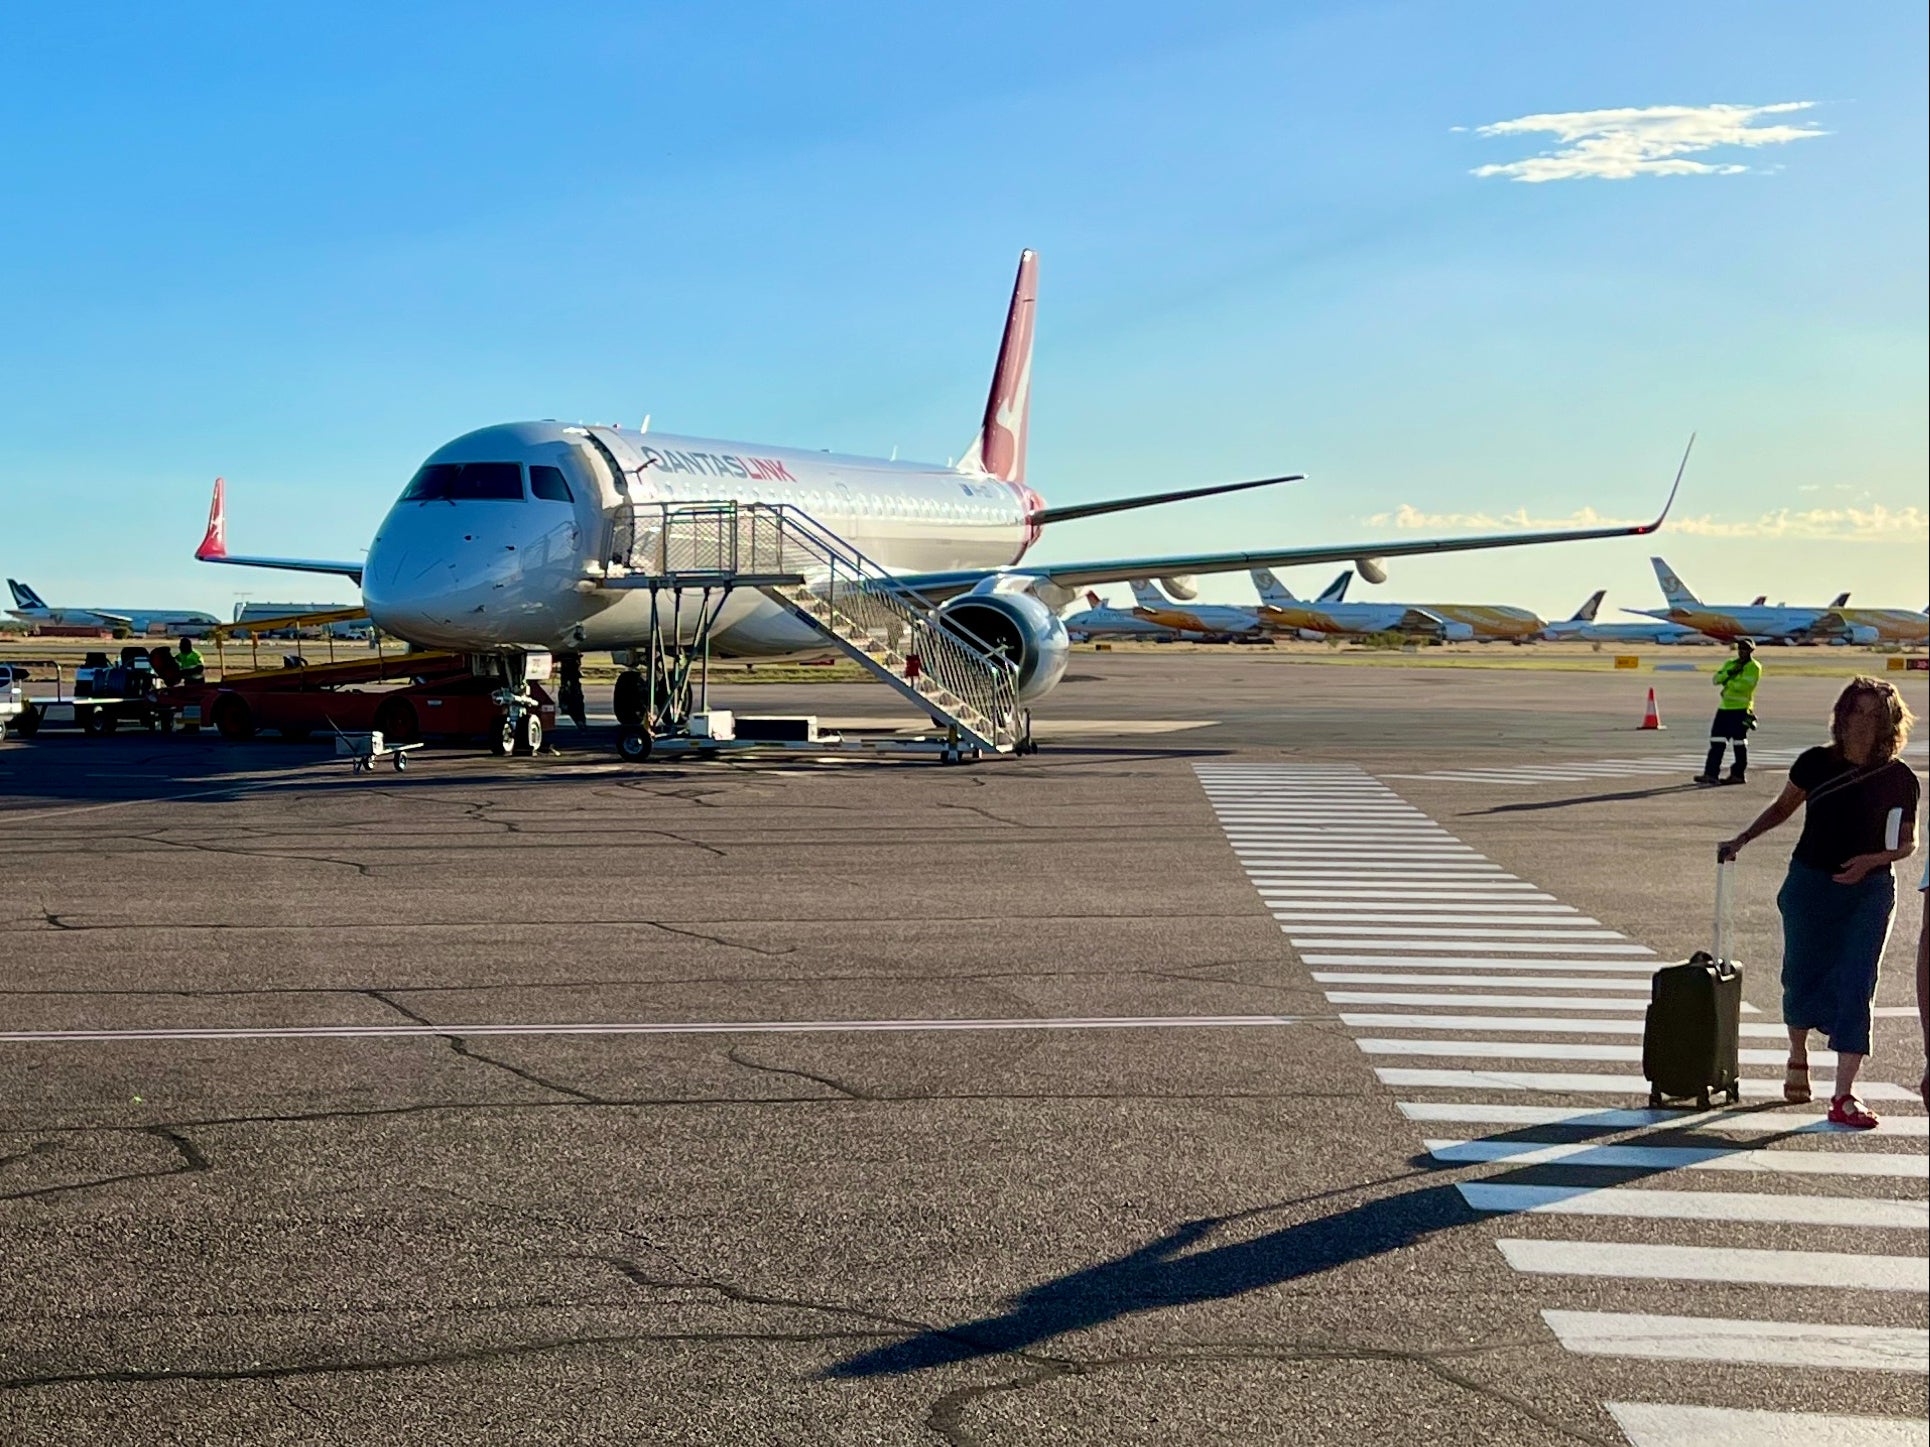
(1465, 963)
(1769, 1343)
(1681, 762)
(1666, 1424)
(1837, 1270)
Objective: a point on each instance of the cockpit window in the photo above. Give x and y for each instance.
(549, 484)
(466, 482)
(432, 483)
(493, 481)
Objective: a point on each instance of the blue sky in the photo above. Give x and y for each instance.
(303, 250)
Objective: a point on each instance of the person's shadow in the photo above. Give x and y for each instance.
(1164, 1273)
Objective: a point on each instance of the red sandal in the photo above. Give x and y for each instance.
(1848, 1110)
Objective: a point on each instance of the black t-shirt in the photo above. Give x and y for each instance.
(1854, 814)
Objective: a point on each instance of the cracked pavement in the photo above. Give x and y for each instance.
(1014, 1237)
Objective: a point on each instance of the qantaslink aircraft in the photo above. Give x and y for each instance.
(502, 542)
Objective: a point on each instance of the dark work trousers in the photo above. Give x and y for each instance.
(1731, 726)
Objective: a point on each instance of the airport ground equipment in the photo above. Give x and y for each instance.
(363, 749)
(405, 695)
(691, 557)
(104, 695)
(1690, 1035)
(13, 699)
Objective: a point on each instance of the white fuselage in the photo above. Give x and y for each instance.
(529, 571)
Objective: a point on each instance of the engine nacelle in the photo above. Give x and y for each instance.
(1029, 632)
(1372, 569)
(1457, 632)
(1183, 586)
(1862, 634)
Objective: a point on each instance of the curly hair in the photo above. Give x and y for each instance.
(1897, 717)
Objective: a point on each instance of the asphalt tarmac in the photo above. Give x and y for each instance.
(339, 1157)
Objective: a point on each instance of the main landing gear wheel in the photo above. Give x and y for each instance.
(502, 738)
(529, 735)
(635, 745)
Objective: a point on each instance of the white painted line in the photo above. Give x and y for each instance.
(1461, 932)
(1403, 944)
(1843, 1212)
(1450, 962)
(1740, 1121)
(677, 1027)
(1764, 1343)
(1546, 1024)
(1471, 890)
(1566, 1082)
(1401, 911)
(1420, 853)
(1560, 1050)
(1634, 999)
(1662, 1424)
(1384, 876)
(1895, 1012)
(1504, 1002)
(1851, 1271)
(1324, 914)
(1896, 1165)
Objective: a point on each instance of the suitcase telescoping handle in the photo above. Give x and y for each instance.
(1725, 872)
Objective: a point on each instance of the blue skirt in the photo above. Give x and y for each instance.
(1833, 938)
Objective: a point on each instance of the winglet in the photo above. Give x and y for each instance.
(1673, 490)
(214, 544)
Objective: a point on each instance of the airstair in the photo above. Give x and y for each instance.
(712, 550)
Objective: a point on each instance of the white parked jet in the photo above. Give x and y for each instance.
(30, 607)
(504, 540)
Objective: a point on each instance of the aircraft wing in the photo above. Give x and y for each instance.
(1071, 576)
(214, 547)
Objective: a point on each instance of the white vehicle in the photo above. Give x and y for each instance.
(13, 699)
(571, 538)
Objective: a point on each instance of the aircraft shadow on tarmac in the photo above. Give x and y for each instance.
(1166, 1273)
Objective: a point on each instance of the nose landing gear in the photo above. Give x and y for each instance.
(519, 728)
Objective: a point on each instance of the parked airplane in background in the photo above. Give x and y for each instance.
(1440, 622)
(1195, 620)
(536, 536)
(30, 607)
(1582, 628)
(1873, 625)
(1100, 620)
(1765, 623)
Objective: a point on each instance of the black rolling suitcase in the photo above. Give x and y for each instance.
(1695, 1011)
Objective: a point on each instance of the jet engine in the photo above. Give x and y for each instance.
(1374, 570)
(1183, 586)
(1860, 634)
(1029, 633)
(1457, 632)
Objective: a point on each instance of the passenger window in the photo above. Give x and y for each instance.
(489, 482)
(549, 484)
(432, 483)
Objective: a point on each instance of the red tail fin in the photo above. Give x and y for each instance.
(215, 543)
(999, 448)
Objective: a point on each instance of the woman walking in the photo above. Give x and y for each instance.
(1860, 817)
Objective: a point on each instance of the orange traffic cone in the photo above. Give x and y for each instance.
(1653, 718)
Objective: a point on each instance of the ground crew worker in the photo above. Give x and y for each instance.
(1735, 714)
(193, 668)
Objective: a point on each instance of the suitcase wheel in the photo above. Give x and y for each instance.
(1702, 1101)
(1655, 1099)
(1735, 1091)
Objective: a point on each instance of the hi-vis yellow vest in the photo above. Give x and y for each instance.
(1738, 681)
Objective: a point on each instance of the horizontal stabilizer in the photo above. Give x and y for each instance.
(1040, 516)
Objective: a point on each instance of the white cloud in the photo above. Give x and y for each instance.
(1613, 145)
(1875, 523)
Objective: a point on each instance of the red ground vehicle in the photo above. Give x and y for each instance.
(407, 697)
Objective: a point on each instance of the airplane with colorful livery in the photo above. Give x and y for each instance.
(1766, 623)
